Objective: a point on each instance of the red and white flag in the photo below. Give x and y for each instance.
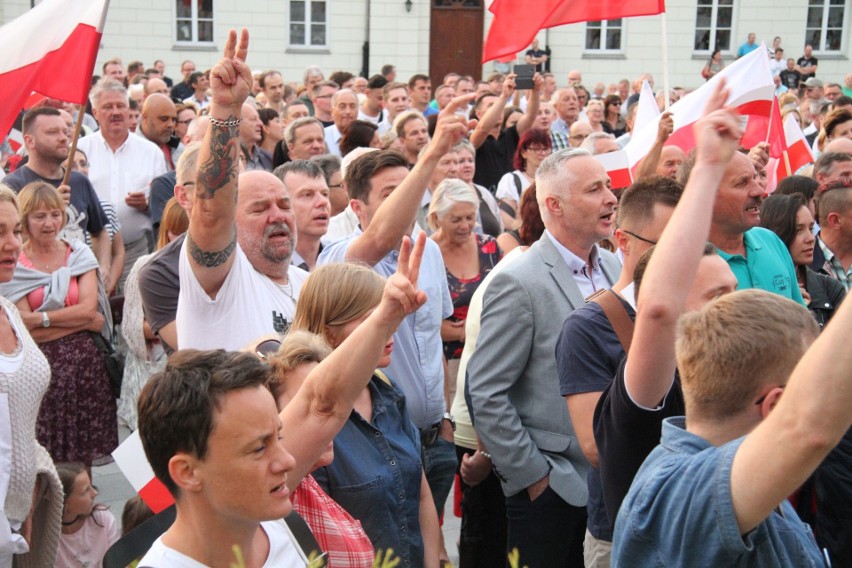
(50, 50)
(617, 168)
(516, 22)
(131, 460)
(798, 153)
(751, 89)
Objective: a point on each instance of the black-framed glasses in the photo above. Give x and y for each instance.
(759, 401)
(643, 239)
(266, 348)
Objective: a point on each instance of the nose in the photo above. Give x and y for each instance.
(284, 462)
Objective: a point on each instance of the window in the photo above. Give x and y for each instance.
(713, 22)
(194, 21)
(824, 30)
(603, 36)
(308, 23)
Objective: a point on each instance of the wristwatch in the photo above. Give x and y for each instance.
(45, 321)
(451, 419)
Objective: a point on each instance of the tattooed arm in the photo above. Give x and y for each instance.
(212, 238)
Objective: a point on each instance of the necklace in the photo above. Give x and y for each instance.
(287, 289)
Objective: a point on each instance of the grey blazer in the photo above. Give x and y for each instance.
(518, 412)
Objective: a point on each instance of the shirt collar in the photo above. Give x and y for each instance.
(826, 252)
(574, 262)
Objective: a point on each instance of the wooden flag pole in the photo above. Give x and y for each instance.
(787, 163)
(73, 148)
(665, 48)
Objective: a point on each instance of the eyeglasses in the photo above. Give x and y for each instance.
(187, 121)
(335, 186)
(266, 348)
(759, 401)
(539, 149)
(643, 239)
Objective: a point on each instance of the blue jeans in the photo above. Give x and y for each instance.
(439, 465)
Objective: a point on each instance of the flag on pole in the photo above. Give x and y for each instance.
(516, 22)
(797, 152)
(775, 132)
(751, 92)
(131, 460)
(50, 50)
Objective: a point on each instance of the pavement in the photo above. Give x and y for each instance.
(115, 490)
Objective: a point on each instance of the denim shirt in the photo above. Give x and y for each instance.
(417, 363)
(679, 512)
(376, 474)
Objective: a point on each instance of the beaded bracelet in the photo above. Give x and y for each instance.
(225, 123)
(485, 454)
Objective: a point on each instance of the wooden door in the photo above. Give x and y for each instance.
(455, 38)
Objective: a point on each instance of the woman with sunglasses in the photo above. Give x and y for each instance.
(613, 122)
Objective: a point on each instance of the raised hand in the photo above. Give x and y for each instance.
(665, 126)
(718, 131)
(401, 296)
(451, 126)
(509, 85)
(230, 78)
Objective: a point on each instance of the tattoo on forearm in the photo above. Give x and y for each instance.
(210, 259)
(221, 167)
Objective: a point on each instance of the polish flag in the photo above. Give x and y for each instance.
(797, 153)
(131, 460)
(775, 135)
(751, 89)
(516, 22)
(617, 168)
(648, 110)
(50, 50)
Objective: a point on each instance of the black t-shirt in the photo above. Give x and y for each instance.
(494, 158)
(790, 79)
(536, 53)
(588, 354)
(626, 434)
(182, 91)
(85, 208)
(159, 285)
(807, 61)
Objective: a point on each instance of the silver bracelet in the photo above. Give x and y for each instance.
(224, 123)
(484, 453)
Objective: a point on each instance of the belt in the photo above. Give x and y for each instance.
(429, 436)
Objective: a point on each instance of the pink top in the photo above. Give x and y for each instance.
(36, 297)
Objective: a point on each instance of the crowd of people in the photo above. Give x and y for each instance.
(334, 298)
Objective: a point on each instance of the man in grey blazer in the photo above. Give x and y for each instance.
(513, 384)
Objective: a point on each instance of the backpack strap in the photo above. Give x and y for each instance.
(617, 315)
(305, 539)
(518, 185)
(136, 543)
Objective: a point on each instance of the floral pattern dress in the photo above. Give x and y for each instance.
(461, 290)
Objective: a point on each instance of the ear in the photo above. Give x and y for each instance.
(772, 398)
(833, 219)
(357, 207)
(623, 241)
(183, 469)
(29, 141)
(553, 204)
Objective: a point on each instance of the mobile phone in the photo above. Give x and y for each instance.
(524, 78)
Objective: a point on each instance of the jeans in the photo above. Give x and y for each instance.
(482, 543)
(548, 532)
(439, 465)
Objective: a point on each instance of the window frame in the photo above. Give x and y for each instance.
(604, 27)
(844, 29)
(308, 22)
(714, 27)
(194, 21)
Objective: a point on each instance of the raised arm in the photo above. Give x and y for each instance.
(649, 162)
(533, 99)
(495, 114)
(810, 419)
(651, 364)
(211, 238)
(325, 400)
(395, 216)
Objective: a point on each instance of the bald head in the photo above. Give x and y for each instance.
(670, 161)
(158, 86)
(158, 119)
(578, 132)
(839, 145)
(266, 226)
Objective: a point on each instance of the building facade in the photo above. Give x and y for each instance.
(435, 36)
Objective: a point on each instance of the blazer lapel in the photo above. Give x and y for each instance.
(559, 272)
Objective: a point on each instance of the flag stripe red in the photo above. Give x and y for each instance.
(156, 496)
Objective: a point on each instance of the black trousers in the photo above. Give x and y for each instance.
(482, 543)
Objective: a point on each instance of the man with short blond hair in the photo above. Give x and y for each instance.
(395, 98)
(413, 132)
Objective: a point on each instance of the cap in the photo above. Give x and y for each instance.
(813, 82)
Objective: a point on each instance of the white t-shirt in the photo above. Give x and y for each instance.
(508, 189)
(282, 551)
(87, 546)
(248, 305)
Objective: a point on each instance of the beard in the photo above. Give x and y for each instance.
(278, 253)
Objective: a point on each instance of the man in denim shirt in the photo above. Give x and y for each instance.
(386, 196)
(714, 492)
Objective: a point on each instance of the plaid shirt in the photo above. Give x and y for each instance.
(336, 531)
(558, 140)
(833, 267)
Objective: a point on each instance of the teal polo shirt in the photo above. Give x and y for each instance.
(767, 265)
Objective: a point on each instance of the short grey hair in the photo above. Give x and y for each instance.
(328, 163)
(465, 144)
(312, 71)
(304, 167)
(590, 140)
(337, 94)
(107, 85)
(186, 169)
(290, 131)
(448, 193)
(551, 176)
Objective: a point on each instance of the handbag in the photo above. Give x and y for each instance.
(113, 361)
